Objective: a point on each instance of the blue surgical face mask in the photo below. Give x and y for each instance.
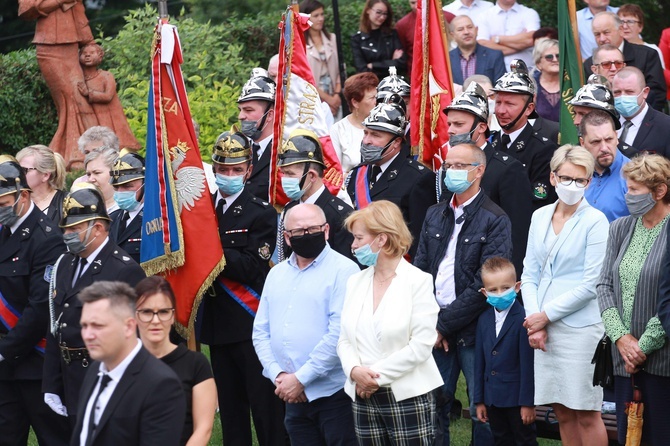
(501, 301)
(126, 200)
(366, 256)
(292, 188)
(457, 180)
(229, 184)
(627, 105)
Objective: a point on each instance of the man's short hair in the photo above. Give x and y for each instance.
(606, 47)
(611, 15)
(481, 79)
(479, 155)
(626, 72)
(596, 118)
(121, 296)
(496, 264)
(98, 133)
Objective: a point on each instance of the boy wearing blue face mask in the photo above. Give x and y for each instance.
(504, 383)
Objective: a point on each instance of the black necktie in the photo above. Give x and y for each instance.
(5, 234)
(219, 207)
(505, 141)
(375, 170)
(91, 415)
(255, 148)
(624, 133)
(82, 265)
(124, 222)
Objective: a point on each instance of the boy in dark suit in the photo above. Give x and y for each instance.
(504, 387)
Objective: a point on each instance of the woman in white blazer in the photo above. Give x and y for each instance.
(387, 333)
(566, 247)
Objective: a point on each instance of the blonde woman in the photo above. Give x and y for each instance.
(45, 174)
(387, 333)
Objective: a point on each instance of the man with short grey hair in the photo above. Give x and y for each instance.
(128, 396)
(606, 28)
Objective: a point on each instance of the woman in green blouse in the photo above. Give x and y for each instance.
(628, 292)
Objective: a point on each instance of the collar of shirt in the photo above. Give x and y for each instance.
(515, 7)
(20, 221)
(117, 372)
(615, 167)
(621, 46)
(315, 196)
(458, 210)
(588, 15)
(514, 135)
(470, 57)
(229, 199)
(637, 122)
(263, 144)
(294, 262)
(384, 166)
(133, 214)
(92, 256)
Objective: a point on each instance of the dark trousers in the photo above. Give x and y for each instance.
(242, 387)
(326, 421)
(21, 406)
(508, 429)
(655, 396)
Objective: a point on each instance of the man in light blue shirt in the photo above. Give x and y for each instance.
(297, 327)
(607, 189)
(587, 42)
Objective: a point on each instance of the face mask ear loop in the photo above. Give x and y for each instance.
(305, 171)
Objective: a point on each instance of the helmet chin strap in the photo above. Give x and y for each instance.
(513, 123)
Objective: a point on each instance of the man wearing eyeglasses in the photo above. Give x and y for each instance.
(606, 28)
(92, 257)
(607, 61)
(247, 229)
(457, 237)
(608, 187)
(297, 328)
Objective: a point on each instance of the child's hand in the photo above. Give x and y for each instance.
(481, 413)
(83, 89)
(527, 414)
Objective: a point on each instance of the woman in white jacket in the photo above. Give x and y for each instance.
(388, 332)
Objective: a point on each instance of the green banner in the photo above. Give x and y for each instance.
(570, 68)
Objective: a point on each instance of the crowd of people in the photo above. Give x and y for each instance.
(349, 317)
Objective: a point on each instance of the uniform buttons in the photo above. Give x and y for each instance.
(67, 305)
(232, 242)
(494, 373)
(63, 325)
(467, 239)
(483, 238)
(437, 235)
(494, 353)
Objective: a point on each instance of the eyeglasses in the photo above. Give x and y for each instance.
(567, 181)
(618, 64)
(164, 314)
(28, 169)
(459, 166)
(550, 57)
(380, 13)
(300, 232)
(629, 22)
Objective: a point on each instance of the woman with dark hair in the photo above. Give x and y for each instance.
(322, 56)
(155, 316)
(360, 92)
(376, 45)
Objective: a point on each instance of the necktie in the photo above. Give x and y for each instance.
(124, 223)
(375, 170)
(505, 141)
(82, 265)
(219, 207)
(254, 153)
(5, 234)
(624, 133)
(91, 415)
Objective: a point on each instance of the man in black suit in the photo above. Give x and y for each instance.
(596, 95)
(386, 172)
(514, 106)
(92, 257)
(247, 228)
(642, 126)
(128, 397)
(29, 247)
(301, 165)
(256, 117)
(607, 29)
(127, 177)
(505, 180)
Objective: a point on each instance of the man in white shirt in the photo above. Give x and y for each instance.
(129, 397)
(587, 43)
(509, 27)
(471, 8)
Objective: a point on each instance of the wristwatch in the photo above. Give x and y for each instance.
(497, 40)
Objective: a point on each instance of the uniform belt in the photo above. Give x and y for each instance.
(75, 354)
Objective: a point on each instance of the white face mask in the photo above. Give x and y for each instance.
(571, 194)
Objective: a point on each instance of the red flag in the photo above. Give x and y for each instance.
(432, 86)
(297, 104)
(180, 236)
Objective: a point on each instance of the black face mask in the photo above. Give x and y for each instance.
(308, 246)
